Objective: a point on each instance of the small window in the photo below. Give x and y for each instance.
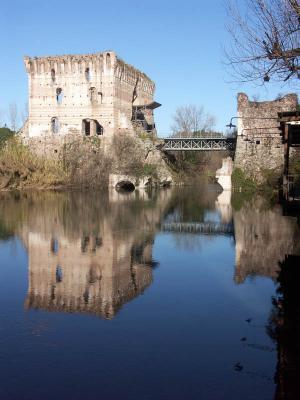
(59, 274)
(54, 246)
(53, 74)
(86, 296)
(93, 94)
(257, 142)
(59, 95)
(84, 243)
(87, 74)
(54, 125)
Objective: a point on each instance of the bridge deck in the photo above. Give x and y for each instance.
(201, 143)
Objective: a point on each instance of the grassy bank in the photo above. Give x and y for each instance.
(245, 188)
(19, 168)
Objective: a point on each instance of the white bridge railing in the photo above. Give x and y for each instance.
(199, 143)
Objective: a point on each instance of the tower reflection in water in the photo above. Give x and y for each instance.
(89, 253)
(92, 253)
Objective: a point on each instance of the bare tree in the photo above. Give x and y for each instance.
(265, 39)
(13, 116)
(25, 113)
(191, 121)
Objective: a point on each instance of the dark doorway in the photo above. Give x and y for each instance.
(86, 127)
(99, 128)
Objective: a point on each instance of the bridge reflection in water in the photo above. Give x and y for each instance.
(206, 228)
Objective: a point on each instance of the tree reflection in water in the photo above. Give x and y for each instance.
(284, 328)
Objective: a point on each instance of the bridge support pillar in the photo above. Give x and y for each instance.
(223, 174)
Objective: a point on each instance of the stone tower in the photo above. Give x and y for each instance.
(259, 145)
(94, 94)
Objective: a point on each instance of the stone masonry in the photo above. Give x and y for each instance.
(259, 143)
(86, 95)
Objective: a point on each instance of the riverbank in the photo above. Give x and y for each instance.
(82, 163)
(90, 162)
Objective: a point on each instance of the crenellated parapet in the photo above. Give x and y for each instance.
(70, 63)
(134, 77)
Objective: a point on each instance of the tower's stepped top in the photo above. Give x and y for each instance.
(109, 58)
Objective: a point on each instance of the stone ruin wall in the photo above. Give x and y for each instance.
(259, 144)
(68, 93)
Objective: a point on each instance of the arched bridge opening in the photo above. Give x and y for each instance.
(125, 186)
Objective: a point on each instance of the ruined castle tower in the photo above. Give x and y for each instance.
(259, 145)
(95, 94)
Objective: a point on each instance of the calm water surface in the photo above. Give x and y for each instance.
(173, 294)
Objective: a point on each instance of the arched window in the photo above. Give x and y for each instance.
(108, 63)
(54, 125)
(87, 74)
(59, 95)
(53, 74)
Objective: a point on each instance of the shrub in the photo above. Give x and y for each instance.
(271, 179)
(128, 155)
(149, 170)
(5, 134)
(241, 182)
(21, 168)
(86, 164)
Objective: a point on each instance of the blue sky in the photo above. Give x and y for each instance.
(177, 43)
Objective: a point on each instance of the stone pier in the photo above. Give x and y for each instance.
(223, 174)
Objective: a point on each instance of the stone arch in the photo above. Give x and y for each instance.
(125, 185)
(55, 125)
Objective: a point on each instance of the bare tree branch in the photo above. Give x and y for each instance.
(192, 121)
(13, 116)
(265, 39)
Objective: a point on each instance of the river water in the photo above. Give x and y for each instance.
(171, 294)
